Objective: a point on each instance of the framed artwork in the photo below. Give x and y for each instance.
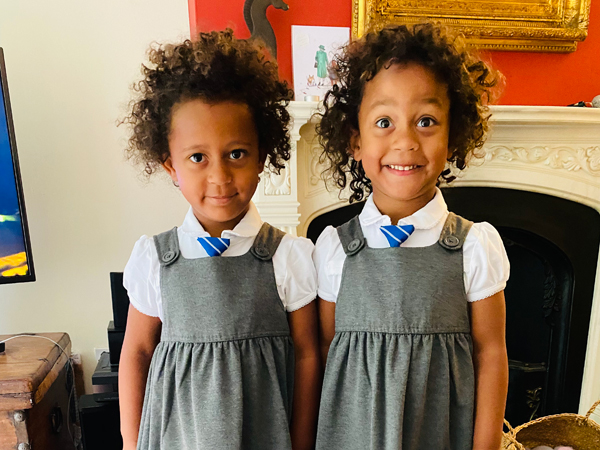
(521, 25)
(313, 51)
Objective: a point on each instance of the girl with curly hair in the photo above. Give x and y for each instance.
(220, 348)
(411, 300)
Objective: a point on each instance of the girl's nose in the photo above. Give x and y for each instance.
(405, 138)
(219, 174)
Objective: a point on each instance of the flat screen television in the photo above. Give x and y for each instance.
(16, 262)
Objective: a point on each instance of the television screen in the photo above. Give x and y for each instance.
(16, 264)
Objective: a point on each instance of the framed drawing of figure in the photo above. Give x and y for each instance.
(522, 25)
(313, 56)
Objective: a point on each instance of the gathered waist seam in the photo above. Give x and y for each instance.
(217, 339)
(403, 333)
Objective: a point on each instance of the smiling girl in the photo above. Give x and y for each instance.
(411, 295)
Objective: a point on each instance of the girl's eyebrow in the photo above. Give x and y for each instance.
(204, 147)
(247, 143)
(195, 147)
(390, 101)
(432, 100)
(383, 102)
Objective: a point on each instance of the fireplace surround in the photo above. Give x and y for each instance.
(548, 156)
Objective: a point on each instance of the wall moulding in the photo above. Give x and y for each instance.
(534, 25)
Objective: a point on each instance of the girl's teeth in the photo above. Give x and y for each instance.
(402, 167)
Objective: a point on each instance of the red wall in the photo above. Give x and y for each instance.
(531, 78)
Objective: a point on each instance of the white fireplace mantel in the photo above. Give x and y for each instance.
(549, 150)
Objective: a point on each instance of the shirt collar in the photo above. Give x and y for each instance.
(424, 219)
(249, 226)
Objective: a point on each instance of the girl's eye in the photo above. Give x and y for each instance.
(383, 123)
(197, 157)
(237, 154)
(426, 122)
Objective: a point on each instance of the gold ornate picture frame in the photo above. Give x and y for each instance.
(521, 25)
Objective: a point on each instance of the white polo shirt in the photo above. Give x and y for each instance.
(292, 263)
(485, 264)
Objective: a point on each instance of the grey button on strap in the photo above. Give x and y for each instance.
(261, 251)
(167, 247)
(454, 232)
(168, 256)
(351, 236)
(266, 242)
(353, 245)
(451, 241)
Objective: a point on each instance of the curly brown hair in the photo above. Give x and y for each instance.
(469, 81)
(215, 68)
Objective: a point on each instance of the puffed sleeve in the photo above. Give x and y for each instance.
(329, 260)
(141, 278)
(486, 266)
(299, 285)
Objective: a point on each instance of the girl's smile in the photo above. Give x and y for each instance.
(402, 139)
(401, 171)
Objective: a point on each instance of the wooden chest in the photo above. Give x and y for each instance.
(37, 398)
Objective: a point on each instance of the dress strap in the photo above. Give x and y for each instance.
(454, 232)
(351, 236)
(267, 241)
(167, 247)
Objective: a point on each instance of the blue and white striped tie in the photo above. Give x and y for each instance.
(214, 246)
(397, 234)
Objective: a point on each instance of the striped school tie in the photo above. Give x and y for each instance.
(214, 246)
(397, 234)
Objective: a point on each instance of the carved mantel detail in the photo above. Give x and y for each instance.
(278, 184)
(572, 159)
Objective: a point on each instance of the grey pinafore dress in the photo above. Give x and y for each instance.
(221, 377)
(399, 372)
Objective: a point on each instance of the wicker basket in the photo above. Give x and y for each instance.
(579, 432)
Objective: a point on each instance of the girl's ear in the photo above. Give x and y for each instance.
(355, 147)
(168, 166)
